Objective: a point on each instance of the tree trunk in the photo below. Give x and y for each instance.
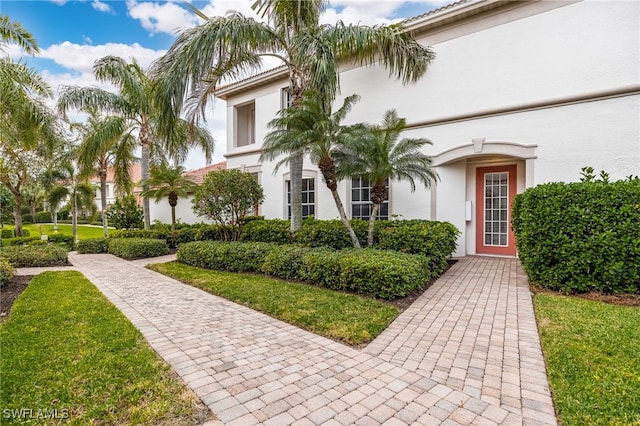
(74, 218)
(103, 201)
(173, 202)
(32, 210)
(145, 142)
(54, 213)
(295, 174)
(18, 215)
(372, 224)
(328, 169)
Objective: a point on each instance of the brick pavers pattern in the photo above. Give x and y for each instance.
(425, 369)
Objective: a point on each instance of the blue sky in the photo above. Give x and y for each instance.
(72, 34)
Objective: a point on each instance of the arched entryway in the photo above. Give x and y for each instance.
(481, 180)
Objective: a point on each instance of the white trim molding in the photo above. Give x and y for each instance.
(481, 147)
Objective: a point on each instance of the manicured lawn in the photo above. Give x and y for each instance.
(68, 352)
(345, 317)
(84, 231)
(592, 351)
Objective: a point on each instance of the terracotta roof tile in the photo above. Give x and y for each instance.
(198, 174)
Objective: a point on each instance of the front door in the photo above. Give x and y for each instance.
(495, 189)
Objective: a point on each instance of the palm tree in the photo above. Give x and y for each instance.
(13, 32)
(379, 156)
(106, 144)
(225, 48)
(312, 129)
(139, 105)
(77, 190)
(169, 182)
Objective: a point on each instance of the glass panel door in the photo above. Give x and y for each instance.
(496, 209)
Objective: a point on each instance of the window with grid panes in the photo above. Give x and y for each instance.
(361, 204)
(308, 198)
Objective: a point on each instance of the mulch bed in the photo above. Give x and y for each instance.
(10, 292)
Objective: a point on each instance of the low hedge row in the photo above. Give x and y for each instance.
(134, 248)
(11, 233)
(66, 240)
(35, 255)
(384, 274)
(6, 272)
(581, 236)
(93, 245)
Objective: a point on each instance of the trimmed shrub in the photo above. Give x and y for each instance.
(225, 256)
(93, 245)
(267, 231)
(6, 272)
(7, 233)
(285, 262)
(435, 240)
(67, 240)
(21, 241)
(27, 218)
(35, 255)
(330, 233)
(213, 233)
(134, 248)
(43, 217)
(581, 236)
(383, 274)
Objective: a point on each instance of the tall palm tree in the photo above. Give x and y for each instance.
(311, 128)
(77, 190)
(169, 182)
(138, 104)
(106, 143)
(224, 48)
(379, 156)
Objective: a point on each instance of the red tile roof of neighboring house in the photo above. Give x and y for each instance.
(136, 174)
(198, 175)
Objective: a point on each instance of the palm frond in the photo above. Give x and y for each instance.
(13, 32)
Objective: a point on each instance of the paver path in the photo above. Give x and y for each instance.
(252, 369)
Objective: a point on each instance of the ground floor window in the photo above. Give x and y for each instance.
(361, 204)
(308, 198)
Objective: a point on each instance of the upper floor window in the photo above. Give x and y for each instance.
(361, 204)
(287, 99)
(308, 198)
(246, 124)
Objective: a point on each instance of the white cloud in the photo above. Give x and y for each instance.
(59, 2)
(161, 17)
(80, 58)
(101, 7)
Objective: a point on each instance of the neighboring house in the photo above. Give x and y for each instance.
(136, 177)
(184, 213)
(520, 93)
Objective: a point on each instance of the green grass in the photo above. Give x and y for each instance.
(84, 231)
(349, 318)
(592, 351)
(66, 348)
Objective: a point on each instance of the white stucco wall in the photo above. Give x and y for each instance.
(541, 65)
(160, 210)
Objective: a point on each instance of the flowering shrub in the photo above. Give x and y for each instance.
(125, 214)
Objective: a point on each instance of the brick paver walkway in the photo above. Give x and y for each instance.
(466, 352)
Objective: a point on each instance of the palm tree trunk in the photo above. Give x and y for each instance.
(103, 202)
(372, 224)
(145, 142)
(54, 212)
(173, 218)
(345, 221)
(74, 218)
(295, 175)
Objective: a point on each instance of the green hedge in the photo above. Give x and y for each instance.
(379, 273)
(43, 217)
(35, 255)
(93, 245)
(21, 241)
(224, 256)
(267, 231)
(578, 237)
(330, 233)
(67, 240)
(435, 240)
(134, 248)
(6, 272)
(7, 233)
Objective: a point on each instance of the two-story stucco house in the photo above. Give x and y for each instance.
(520, 93)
